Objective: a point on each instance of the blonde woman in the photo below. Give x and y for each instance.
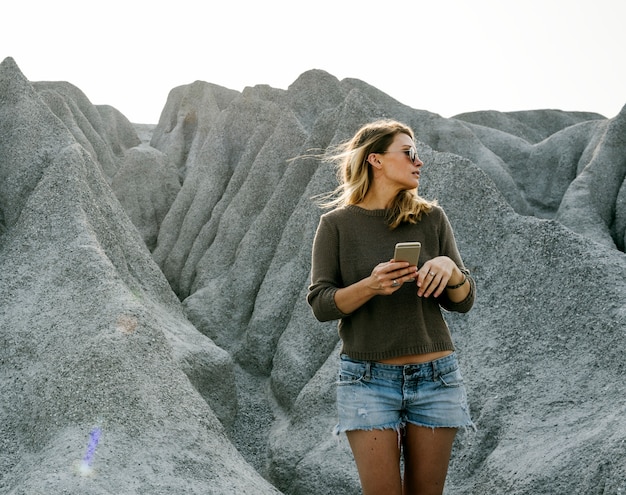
(400, 391)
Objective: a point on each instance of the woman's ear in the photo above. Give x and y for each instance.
(374, 160)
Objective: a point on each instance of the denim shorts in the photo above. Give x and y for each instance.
(372, 395)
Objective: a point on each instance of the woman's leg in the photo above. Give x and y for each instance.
(377, 457)
(426, 457)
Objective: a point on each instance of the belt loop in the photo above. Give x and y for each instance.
(368, 370)
(434, 367)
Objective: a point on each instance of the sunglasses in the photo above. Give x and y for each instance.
(411, 153)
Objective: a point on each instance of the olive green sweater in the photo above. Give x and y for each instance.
(349, 242)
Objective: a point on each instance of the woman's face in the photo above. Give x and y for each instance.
(396, 166)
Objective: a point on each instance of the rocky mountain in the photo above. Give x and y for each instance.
(154, 335)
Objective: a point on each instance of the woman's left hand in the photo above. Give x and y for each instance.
(434, 275)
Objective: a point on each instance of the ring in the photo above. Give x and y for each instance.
(394, 283)
(432, 274)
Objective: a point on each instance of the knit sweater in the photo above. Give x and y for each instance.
(350, 241)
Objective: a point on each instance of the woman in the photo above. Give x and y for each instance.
(399, 388)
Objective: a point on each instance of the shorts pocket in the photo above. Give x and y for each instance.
(351, 372)
(452, 379)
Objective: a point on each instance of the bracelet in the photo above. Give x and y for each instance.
(457, 285)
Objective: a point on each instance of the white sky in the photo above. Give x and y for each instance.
(445, 56)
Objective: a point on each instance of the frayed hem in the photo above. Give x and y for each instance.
(466, 428)
(338, 430)
(397, 427)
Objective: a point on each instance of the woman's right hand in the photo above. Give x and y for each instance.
(385, 279)
(388, 277)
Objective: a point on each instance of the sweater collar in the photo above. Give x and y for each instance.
(369, 213)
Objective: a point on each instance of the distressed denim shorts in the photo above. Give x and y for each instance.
(372, 395)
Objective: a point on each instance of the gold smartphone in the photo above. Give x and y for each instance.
(407, 251)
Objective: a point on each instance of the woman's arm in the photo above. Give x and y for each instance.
(328, 297)
(385, 279)
(440, 274)
(445, 277)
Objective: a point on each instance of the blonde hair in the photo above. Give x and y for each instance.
(355, 174)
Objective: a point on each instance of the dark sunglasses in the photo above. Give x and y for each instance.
(411, 153)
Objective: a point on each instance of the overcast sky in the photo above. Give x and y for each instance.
(445, 56)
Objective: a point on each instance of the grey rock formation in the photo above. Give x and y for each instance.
(152, 286)
(92, 335)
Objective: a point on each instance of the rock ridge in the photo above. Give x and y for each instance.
(153, 281)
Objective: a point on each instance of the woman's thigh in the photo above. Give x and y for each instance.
(426, 458)
(377, 457)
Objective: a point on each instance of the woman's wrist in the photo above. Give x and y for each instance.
(458, 285)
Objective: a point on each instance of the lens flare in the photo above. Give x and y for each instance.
(84, 468)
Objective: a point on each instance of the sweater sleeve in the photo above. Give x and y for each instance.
(325, 273)
(450, 249)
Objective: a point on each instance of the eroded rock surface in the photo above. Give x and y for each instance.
(152, 284)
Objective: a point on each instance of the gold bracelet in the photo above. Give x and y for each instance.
(457, 285)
